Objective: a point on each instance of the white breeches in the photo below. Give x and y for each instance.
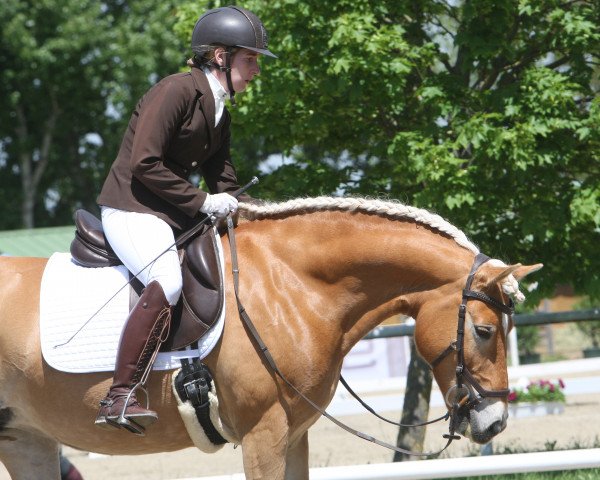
(139, 240)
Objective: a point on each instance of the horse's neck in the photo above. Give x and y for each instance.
(361, 269)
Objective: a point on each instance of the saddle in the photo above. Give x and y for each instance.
(201, 301)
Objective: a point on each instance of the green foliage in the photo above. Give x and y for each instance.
(70, 73)
(484, 112)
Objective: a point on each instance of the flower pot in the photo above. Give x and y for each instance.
(535, 409)
(528, 358)
(591, 352)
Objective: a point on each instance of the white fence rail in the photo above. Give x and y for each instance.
(454, 467)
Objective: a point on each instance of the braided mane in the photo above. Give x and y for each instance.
(382, 208)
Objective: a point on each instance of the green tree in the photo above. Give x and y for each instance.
(485, 112)
(70, 71)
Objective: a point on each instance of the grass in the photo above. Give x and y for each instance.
(548, 447)
(584, 474)
(587, 474)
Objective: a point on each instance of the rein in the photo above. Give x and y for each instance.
(450, 436)
(367, 407)
(465, 381)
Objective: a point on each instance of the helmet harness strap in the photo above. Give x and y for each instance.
(227, 69)
(199, 62)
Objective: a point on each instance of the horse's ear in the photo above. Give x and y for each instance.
(498, 274)
(525, 270)
(518, 271)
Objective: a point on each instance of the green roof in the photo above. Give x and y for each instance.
(37, 242)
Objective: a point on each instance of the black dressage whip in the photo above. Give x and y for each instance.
(184, 237)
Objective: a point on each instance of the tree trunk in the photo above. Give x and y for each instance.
(33, 161)
(416, 406)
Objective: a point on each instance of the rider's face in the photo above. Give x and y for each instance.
(244, 67)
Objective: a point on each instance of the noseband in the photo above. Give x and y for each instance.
(465, 381)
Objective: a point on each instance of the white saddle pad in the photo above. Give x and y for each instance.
(82, 313)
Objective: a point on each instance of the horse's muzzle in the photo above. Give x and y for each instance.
(486, 420)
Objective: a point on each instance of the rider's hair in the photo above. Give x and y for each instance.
(208, 58)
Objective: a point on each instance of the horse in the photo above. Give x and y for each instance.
(316, 275)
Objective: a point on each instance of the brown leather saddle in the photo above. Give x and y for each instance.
(201, 301)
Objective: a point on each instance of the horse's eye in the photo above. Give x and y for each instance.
(484, 331)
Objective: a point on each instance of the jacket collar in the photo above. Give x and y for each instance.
(206, 100)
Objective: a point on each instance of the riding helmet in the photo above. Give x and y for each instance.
(230, 27)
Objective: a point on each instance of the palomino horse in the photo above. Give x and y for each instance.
(316, 276)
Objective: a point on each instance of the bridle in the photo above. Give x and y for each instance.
(464, 396)
(466, 383)
(461, 370)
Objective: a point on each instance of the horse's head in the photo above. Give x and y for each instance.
(461, 332)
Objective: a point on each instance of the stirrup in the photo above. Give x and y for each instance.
(128, 423)
(124, 420)
(104, 422)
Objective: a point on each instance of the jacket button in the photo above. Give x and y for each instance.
(206, 147)
(194, 164)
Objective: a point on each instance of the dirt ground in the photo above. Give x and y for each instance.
(331, 446)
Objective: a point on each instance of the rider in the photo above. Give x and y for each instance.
(178, 128)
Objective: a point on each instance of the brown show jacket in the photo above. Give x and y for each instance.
(170, 136)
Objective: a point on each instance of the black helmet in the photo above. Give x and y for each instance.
(231, 27)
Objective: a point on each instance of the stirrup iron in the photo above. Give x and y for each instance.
(128, 423)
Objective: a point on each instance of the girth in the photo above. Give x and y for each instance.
(201, 301)
(193, 383)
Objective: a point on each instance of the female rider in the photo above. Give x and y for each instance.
(178, 128)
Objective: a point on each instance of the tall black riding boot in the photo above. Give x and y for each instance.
(146, 328)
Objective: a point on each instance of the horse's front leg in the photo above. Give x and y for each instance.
(265, 446)
(29, 456)
(296, 467)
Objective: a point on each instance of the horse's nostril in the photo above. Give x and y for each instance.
(495, 428)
